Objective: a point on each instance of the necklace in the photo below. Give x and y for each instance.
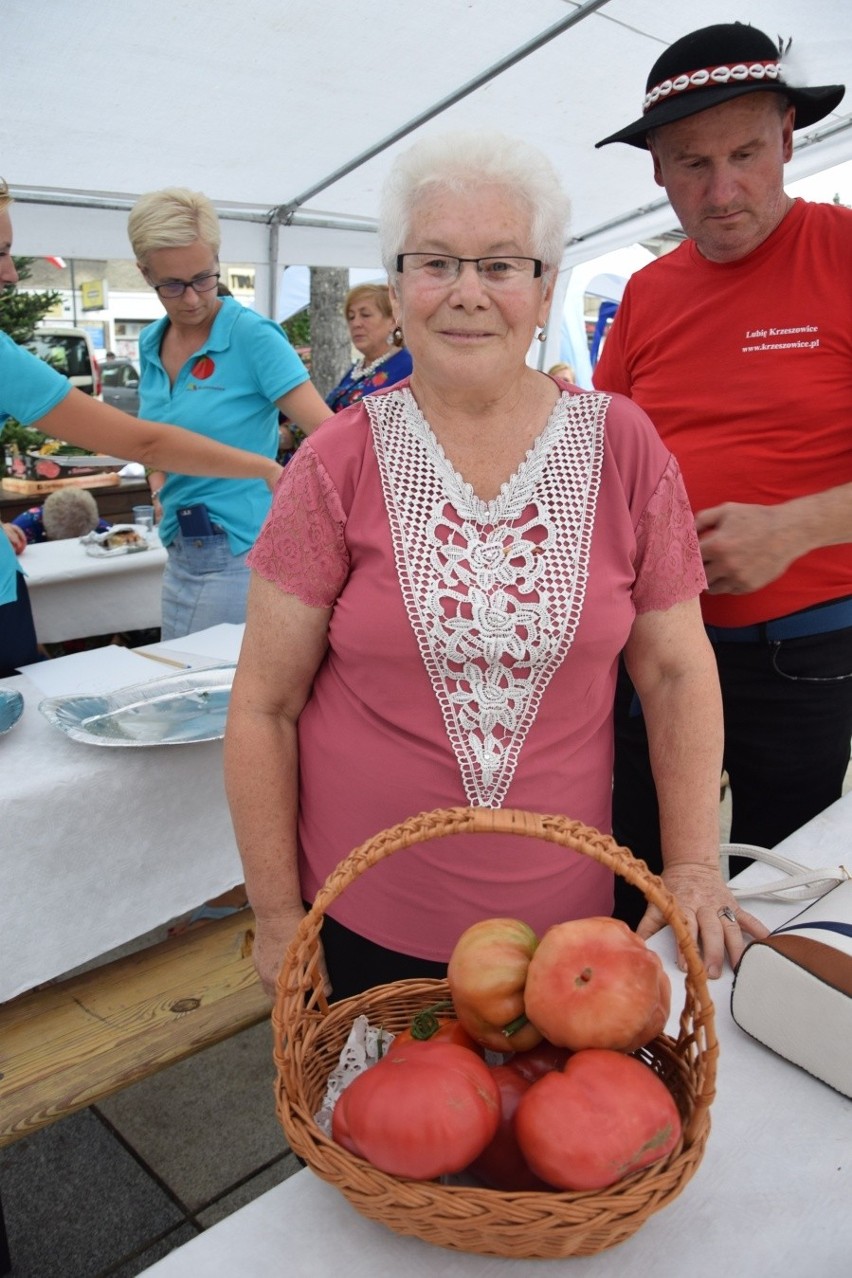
(360, 369)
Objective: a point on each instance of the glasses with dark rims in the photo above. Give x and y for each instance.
(177, 288)
(444, 268)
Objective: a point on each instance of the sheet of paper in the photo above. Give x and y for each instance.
(98, 670)
(221, 643)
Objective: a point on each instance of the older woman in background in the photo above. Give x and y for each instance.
(375, 334)
(222, 370)
(439, 599)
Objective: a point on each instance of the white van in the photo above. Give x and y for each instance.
(70, 352)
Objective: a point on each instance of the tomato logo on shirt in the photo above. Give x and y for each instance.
(203, 368)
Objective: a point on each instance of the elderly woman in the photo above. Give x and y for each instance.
(382, 358)
(222, 370)
(439, 599)
(36, 394)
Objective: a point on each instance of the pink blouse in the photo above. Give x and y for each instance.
(472, 651)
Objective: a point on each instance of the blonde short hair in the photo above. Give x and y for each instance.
(69, 512)
(172, 218)
(5, 197)
(377, 293)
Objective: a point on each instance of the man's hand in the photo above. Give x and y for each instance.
(746, 547)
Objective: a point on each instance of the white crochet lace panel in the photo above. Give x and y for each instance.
(365, 1045)
(494, 590)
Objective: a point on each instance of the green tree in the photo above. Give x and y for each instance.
(19, 314)
(298, 328)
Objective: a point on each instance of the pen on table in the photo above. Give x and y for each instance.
(166, 661)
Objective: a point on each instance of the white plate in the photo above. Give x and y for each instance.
(176, 710)
(95, 543)
(11, 709)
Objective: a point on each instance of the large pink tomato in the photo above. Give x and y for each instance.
(602, 1117)
(423, 1110)
(594, 983)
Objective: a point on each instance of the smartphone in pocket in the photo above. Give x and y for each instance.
(194, 521)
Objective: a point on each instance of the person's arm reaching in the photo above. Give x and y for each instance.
(80, 420)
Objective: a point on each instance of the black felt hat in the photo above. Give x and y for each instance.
(715, 64)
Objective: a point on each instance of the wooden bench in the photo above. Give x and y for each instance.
(69, 1044)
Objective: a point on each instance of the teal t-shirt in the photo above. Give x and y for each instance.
(227, 390)
(29, 389)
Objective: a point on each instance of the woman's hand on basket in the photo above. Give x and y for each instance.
(716, 922)
(272, 936)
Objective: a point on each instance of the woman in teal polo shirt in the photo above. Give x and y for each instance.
(224, 371)
(36, 394)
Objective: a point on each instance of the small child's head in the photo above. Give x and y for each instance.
(69, 512)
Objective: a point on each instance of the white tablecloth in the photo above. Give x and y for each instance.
(772, 1194)
(73, 594)
(98, 845)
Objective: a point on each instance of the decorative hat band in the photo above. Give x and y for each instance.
(737, 72)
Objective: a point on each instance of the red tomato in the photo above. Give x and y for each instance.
(539, 1060)
(501, 1164)
(486, 974)
(604, 1116)
(423, 1110)
(426, 1027)
(594, 983)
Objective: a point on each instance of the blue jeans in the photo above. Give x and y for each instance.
(204, 584)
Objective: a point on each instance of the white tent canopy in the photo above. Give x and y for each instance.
(288, 114)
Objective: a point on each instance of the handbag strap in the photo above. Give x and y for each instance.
(801, 882)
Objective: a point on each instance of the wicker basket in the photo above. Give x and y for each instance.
(309, 1036)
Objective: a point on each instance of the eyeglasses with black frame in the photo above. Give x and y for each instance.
(444, 268)
(177, 288)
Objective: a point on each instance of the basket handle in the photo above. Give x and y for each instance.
(561, 830)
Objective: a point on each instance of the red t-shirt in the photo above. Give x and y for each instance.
(745, 368)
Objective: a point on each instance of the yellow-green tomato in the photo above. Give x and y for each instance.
(487, 973)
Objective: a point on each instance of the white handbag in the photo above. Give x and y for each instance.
(792, 990)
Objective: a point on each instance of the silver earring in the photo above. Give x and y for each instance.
(542, 334)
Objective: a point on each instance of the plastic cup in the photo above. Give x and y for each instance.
(143, 516)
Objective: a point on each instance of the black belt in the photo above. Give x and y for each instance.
(798, 625)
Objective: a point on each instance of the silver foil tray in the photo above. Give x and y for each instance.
(175, 710)
(11, 709)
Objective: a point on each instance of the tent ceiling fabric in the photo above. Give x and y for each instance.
(260, 102)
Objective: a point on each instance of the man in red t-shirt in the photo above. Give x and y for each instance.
(739, 347)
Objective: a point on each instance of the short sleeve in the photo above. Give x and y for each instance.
(302, 546)
(277, 367)
(29, 388)
(668, 566)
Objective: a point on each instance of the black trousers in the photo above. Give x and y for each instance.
(788, 725)
(356, 964)
(18, 646)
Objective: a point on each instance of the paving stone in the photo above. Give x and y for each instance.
(249, 1190)
(76, 1202)
(208, 1122)
(172, 1240)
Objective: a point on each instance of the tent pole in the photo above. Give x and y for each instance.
(272, 295)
